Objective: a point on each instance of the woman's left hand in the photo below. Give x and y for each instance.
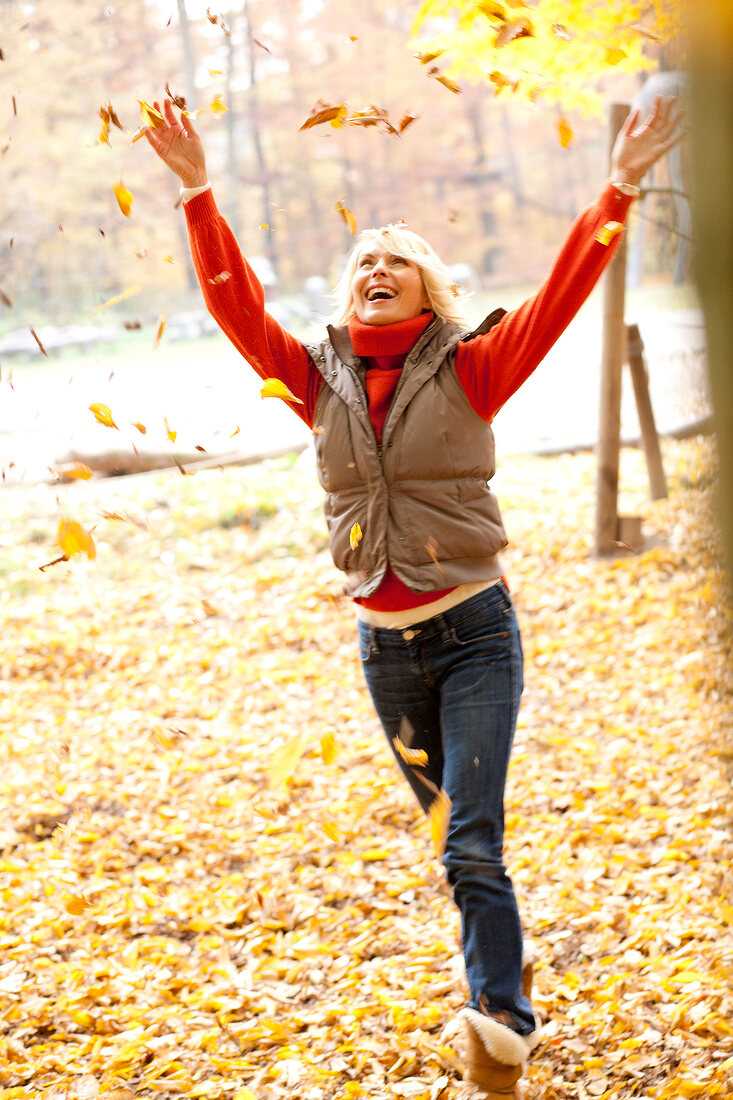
(642, 141)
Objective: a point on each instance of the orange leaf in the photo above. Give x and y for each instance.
(140, 427)
(103, 414)
(77, 470)
(322, 112)
(439, 814)
(347, 216)
(564, 132)
(118, 298)
(273, 387)
(160, 330)
(150, 117)
(77, 905)
(416, 758)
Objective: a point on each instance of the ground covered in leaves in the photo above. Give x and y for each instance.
(214, 883)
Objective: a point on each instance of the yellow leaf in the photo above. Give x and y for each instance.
(564, 132)
(160, 330)
(150, 117)
(245, 1094)
(285, 759)
(355, 536)
(235, 432)
(347, 216)
(118, 298)
(169, 431)
(75, 539)
(168, 259)
(140, 427)
(417, 758)
(328, 748)
(124, 198)
(608, 231)
(439, 813)
(322, 112)
(77, 470)
(217, 105)
(332, 831)
(103, 414)
(273, 387)
(614, 55)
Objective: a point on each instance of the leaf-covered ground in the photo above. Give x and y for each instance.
(214, 883)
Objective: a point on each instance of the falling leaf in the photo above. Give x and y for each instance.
(407, 120)
(520, 28)
(501, 80)
(561, 31)
(416, 758)
(78, 470)
(75, 539)
(169, 431)
(347, 216)
(235, 432)
(439, 815)
(564, 132)
(608, 231)
(322, 112)
(215, 72)
(5, 300)
(445, 81)
(151, 117)
(131, 290)
(168, 259)
(426, 58)
(104, 132)
(220, 278)
(645, 32)
(217, 105)
(177, 100)
(160, 329)
(103, 414)
(35, 336)
(285, 760)
(140, 427)
(355, 536)
(273, 387)
(217, 20)
(432, 548)
(614, 55)
(328, 748)
(124, 198)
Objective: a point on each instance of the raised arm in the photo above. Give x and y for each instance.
(233, 294)
(493, 367)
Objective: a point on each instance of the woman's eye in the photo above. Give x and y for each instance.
(399, 260)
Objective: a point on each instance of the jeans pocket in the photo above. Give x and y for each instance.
(368, 648)
(488, 625)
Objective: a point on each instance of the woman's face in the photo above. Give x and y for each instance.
(386, 288)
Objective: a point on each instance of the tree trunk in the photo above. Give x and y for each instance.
(254, 117)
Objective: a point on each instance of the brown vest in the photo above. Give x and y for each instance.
(421, 499)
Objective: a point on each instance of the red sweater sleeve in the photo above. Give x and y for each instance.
(236, 300)
(492, 367)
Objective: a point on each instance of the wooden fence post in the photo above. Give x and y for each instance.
(612, 359)
(649, 437)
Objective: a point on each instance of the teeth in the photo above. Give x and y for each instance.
(381, 292)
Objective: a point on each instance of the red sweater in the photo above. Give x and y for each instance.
(490, 367)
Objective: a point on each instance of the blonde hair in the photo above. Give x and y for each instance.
(445, 298)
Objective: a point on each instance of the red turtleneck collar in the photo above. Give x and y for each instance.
(374, 341)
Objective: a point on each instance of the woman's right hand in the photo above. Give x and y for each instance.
(179, 145)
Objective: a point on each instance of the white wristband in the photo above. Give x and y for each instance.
(191, 192)
(627, 189)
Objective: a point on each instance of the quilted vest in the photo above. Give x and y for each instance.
(421, 499)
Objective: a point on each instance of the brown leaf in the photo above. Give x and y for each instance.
(35, 336)
(347, 216)
(322, 112)
(519, 28)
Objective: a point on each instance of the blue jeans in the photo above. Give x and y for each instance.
(451, 686)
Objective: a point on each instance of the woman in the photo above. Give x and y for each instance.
(401, 396)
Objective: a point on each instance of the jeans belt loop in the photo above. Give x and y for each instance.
(373, 643)
(445, 628)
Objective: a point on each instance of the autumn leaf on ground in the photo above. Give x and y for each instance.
(564, 132)
(77, 905)
(416, 758)
(439, 815)
(118, 298)
(273, 387)
(285, 759)
(75, 539)
(355, 536)
(328, 748)
(103, 414)
(608, 231)
(160, 329)
(124, 198)
(322, 112)
(347, 216)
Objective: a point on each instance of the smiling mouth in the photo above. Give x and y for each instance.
(381, 294)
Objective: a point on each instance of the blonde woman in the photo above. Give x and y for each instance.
(402, 394)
